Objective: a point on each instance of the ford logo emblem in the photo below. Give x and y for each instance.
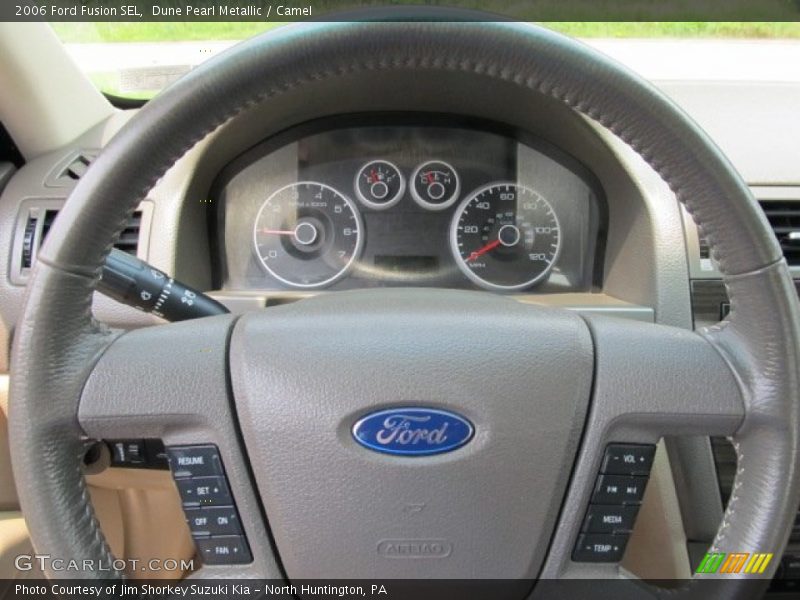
(412, 431)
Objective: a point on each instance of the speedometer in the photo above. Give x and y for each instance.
(505, 236)
(307, 234)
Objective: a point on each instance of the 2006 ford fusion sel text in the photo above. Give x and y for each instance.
(400, 300)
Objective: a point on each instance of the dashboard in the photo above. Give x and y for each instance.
(394, 201)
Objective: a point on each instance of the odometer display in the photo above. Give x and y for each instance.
(307, 234)
(505, 237)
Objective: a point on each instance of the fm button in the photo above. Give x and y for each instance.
(618, 489)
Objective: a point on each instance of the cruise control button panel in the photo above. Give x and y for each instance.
(617, 494)
(209, 505)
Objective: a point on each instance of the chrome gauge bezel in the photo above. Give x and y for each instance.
(339, 274)
(430, 205)
(474, 277)
(371, 203)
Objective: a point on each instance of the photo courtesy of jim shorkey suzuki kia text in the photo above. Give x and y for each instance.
(194, 590)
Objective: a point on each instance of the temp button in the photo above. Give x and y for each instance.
(599, 547)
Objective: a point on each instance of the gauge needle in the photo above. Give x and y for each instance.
(277, 231)
(487, 248)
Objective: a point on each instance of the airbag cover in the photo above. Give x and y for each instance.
(304, 374)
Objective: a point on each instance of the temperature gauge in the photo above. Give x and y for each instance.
(379, 184)
(435, 185)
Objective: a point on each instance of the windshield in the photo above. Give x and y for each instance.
(137, 60)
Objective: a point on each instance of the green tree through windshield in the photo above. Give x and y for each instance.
(139, 59)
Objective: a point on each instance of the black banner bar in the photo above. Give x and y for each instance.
(376, 10)
(358, 589)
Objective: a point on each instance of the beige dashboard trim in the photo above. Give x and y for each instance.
(8, 491)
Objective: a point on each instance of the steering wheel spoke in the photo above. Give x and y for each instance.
(171, 382)
(654, 380)
(161, 380)
(650, 381)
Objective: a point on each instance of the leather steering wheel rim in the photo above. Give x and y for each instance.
(57, 342)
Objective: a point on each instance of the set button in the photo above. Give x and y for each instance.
(204, 491)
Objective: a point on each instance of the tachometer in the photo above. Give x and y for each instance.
(307, 234)
(505, 236)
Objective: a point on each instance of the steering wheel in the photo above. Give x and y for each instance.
(278, 391)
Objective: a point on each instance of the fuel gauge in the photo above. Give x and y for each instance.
(435, 185)
(379, 184)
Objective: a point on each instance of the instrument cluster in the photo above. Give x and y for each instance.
(414, 204)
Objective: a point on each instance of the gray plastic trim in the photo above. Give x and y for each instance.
(54, 178)
(599, 304)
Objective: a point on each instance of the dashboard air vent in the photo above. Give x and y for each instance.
(77, 167)
(40, 221)
(69, 172)
(129, 239)
(36, 228)
(784, 216)
(705, 251)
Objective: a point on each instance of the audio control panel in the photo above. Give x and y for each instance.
(615, 501)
